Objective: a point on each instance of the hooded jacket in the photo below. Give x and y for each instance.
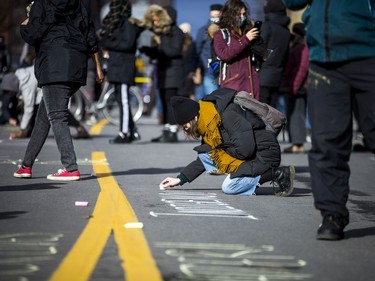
(338, 30)
(243, 136)
(170, 68)
(63, 37)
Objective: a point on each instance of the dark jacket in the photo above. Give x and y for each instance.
(338, 30)
(276, 36)
(170, 66)
(203, 44)
(122, 45)
(244, 137)
(63, 37)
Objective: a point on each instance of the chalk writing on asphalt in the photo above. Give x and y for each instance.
(212, 261)
(198, 204)
(22, 254)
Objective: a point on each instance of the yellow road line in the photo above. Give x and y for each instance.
(98, 127)
(111, 212)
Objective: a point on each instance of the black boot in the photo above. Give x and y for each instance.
(332, 227)
(166, 137)
(283, 177)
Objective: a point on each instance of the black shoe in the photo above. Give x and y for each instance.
(332, 228)
(134, 135)
(120, 139)
(166, 137)
(283, 177)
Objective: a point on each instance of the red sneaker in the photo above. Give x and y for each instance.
(22, 172)
(64, 175)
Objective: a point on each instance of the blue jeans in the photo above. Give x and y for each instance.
(53, 112)
(236, 186)
(207, 87)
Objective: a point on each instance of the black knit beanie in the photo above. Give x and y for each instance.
(216, 7)
(274, 6)
(184, 109)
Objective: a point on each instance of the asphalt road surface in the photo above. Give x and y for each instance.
(130, 230)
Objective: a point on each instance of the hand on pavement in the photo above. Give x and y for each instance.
(169, 182)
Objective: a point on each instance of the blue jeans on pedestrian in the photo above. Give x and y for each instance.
(236, 186)
(53, 112)
(207, 87)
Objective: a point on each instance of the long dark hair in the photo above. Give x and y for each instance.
(118, 10)
(229, 17)
(192, 132)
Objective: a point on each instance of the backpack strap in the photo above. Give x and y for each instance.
(226, 36)
(223, 67)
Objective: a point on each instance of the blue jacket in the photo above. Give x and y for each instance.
(203, 45)
(338, 30)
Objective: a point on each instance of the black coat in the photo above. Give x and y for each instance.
(63, 37)
(243, 136)
(276, 36)
(122, 45)
(170, 66)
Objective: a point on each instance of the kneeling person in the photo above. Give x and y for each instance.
(234, 141)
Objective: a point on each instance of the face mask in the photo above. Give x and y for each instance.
(241, 21)
(214, 20)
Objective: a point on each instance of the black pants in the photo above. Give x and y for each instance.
(126, 117)
(296, 116)
(269, 95)
(165, 97)
(334, 91)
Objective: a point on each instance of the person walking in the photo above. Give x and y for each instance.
(203, 46)
(341, 40)
(63, 36)
(119, 37)
(233, 141)
(236, 51)
(168, 51)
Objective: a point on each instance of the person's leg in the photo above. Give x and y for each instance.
(330, 112)
(56, 99)
(125, 108)
(240, 186)
(168, 94)
(38, 136)
(121, 94)
(119, 99)
(199, 92)
(207, 162)
(169, 133)
(209, 84)
(361, 74)
(265, 95)
(296, 120)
